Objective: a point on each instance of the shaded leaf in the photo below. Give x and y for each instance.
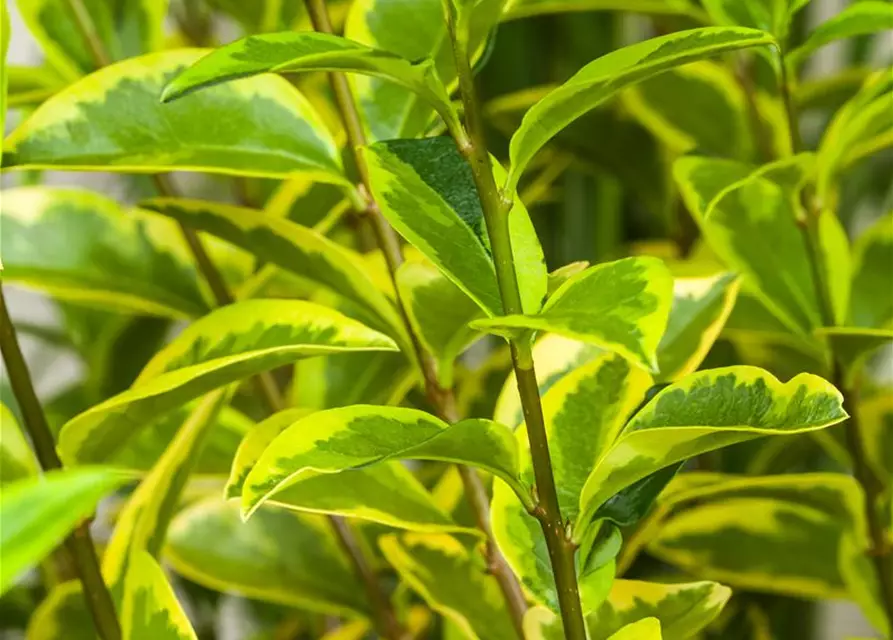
(453, 581)
(871, 301)
(150, 610)
(362, 435)
(277, 556)
(426, 190)
(229, 344)
(599, 80)
(112, 120)
(706, 411)
(864, 17)
(63, 615)
(38, 513)
(852, 346)
(621, 306)
(17, 461)
(80, 246)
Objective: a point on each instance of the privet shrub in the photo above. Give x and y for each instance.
(333, 378)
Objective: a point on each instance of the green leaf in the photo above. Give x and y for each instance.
(601, 79)
(363, 435)
(294, 52)
(876, 420)
(621, 306)
(829, 93)
(17, 461)
(4, 70)
(112, 120)
(683, 609)
(700, 309)
(765, 534)
(833, 249)
(124, 29)
(645, 629)
(439, 313)
(143, 522)
(871, 301)
(332, 381)
(150, 610)
(29, 86)
(227, 345)
(752, 226)
(38, 513)
(63, 615)
(277, 556)
(286, 244)
(852, 346)
(387, 493)
(515, 9)
(706, 411)
(453, 581)
(769, 15)
(663, 104)
(80, 246)
(426, 190)
(859, 18)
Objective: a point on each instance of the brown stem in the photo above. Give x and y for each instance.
(443, 400)
(79, 545)
(496, 211)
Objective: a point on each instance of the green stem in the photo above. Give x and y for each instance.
(87, 29)
(881, 552)
(442, 399)
(496, 211)
(79, 544)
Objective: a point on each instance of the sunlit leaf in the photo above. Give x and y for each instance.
(453, 581)
(17, 461)
(859, 18)
(150, 610)
(426, 191)
(277, 556)
(112, 120)
(80, 246)
(645, 629)
(38, 513)
(706, 411)
(599, 80)
(229, 344)
(621, 306)
(515, 9)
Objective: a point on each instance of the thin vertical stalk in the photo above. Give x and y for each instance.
(79, 545)
(496, 210)
(442, 399)
(881, 552)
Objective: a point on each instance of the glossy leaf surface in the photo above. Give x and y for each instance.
(453, 581)
(705, 411)
(621, 306)
(602, 78)
(225, 346)
(276, 556)
(113, 120)
(38, 513)
(80, 246)
(150, 610)
(426, 191)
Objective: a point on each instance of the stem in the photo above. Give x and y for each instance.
(496, 211)
(442, 399)
(79, 545)
(881, 551)
(87, 29)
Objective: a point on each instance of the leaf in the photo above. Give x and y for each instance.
(79, 246)
(876, 420)
(833, 256)
(663, 104)
(645, 629)
(852, 346)
(864, 17)
(62, 615)
(277, 556)
(774, 16)
(621, 306)
(4, 70)
(29, 86)
(426, 190)
(286, 244)
(453, 581)
(150, 610)
(112, 120)
(363, 435)
(439, 313)
(700, 309)
(17, 461)
(516, 9)
(765, 536)
(38, 513)
(332, 381)
(584, 412)
(602, 78)
(143, 522)
(706, 411)
(871, 301)
(295, 52)
(683, 609)
(229, 344)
